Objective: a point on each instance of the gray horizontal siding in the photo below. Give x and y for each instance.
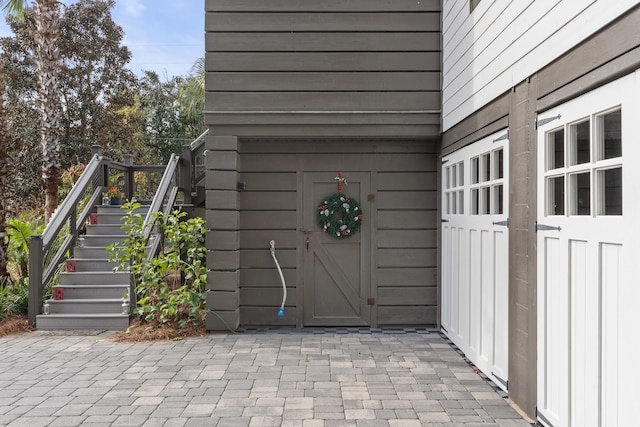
(320, 81)
(328, 21)
(403, 213)
(297, 58)
(321, 61)
(322, 6)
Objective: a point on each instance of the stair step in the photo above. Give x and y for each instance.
(105, 321)
(93, 291)
(102, 240)
(91, 252)
(86, 306)
(92, 265)
(95, 278)
(105, 229)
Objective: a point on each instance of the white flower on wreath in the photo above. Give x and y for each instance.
(346, 206)
(343, 227)
(325, 212)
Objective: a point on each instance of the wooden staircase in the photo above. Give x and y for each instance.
(90, 294)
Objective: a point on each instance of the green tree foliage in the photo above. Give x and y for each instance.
(104, 103)
(164, 125)
(94, 82)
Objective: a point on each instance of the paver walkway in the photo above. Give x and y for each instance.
(249, 379)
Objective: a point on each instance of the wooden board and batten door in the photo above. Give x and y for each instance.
(337, 272)
(587, 256)
(475, 247)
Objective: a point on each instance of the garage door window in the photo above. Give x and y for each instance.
(584, 166)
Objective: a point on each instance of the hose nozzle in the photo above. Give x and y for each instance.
(281, 312)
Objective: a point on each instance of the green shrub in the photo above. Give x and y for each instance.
(14, 297)
(170, 288)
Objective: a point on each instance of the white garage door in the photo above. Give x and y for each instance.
(475, 246)
(588, 257)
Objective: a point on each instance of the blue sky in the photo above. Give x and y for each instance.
(166, 36)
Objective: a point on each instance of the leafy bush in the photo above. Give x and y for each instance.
(171, 288)
(14, 297)
(20, 231)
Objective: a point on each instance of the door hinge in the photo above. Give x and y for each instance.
(503, 223)
(543, 122)
(542, 227)
(371, 301)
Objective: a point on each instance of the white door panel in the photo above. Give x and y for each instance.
(587, 250)
(475, 253)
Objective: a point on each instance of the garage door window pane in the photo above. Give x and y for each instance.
(475, 171)
(556, 196)
(610, 186)
(475, 206)
(498, 158)
(555, 150)
(609, 135)
(486, 167)
(580, 143)
(581, 194)
(498, 196)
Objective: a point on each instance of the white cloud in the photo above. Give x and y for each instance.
(133, 7)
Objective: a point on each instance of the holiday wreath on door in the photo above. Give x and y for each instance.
(339, 214)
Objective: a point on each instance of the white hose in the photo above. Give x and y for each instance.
(284, 286)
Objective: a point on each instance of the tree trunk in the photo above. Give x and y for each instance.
(47, 62)
(4, 143)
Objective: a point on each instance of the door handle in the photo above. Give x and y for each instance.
(307, 242)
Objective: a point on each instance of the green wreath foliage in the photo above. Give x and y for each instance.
(339, 215)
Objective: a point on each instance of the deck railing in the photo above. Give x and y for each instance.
(157, 186)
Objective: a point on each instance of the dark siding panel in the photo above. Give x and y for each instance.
(293, 56)
(421, 276)
(267, 201)
(407, 200)
(282, 22)
(261, 258)
(260, 239)
(406, 257)
(269, 181)
(418, 315)
(322, 101)
(330, 82)
(408, 181)
(403, 242)
(256, 316)
(268, 277)
(267, 297)
(407, 239)
(267, 220)
(321, 6)
(321, 42)
(323, 61)
(407, 296)
(395, 219)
